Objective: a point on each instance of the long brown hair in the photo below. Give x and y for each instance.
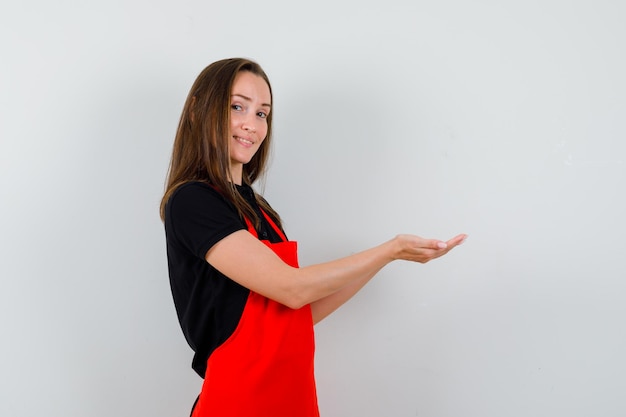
(201, 147)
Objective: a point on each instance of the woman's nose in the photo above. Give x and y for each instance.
(248, 127)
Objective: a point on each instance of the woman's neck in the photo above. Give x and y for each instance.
(236, 173)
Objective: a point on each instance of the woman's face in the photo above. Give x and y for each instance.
(249, 107)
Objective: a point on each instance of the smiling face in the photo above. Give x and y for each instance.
(250, 104)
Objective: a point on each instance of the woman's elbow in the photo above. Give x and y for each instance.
(295, 296)
(294, 301)
(294, 292)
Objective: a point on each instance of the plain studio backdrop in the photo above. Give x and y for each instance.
(505, 120)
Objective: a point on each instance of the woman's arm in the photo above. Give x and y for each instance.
(325, 306)
(246, 260)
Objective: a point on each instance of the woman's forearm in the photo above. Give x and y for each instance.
(323, 307)
(328, 285)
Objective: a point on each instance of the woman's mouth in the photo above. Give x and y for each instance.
(243, 141)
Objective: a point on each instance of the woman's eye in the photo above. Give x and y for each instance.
(236, 107)
(262, 115)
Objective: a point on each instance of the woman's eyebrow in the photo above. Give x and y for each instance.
(249, 99)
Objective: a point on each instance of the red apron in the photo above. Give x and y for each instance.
(265, 368)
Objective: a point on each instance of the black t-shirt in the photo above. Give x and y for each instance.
(209, 305)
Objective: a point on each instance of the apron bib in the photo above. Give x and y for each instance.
(265, 368)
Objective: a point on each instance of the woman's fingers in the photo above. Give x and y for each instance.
(424, 250)
(457, 240)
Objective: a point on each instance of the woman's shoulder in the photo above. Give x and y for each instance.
(193, 189)
(196, 195)
(193, 186)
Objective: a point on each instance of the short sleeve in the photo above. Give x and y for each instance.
(197, 217)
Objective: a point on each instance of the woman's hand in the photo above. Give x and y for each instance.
(417, 249)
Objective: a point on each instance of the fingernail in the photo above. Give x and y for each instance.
(442, 245)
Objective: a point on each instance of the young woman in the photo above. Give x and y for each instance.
(245, 307)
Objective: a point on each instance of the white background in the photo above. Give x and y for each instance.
(505, 120)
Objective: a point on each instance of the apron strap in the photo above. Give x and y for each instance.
(252, 229)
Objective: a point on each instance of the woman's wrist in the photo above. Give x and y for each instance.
(392, 249)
